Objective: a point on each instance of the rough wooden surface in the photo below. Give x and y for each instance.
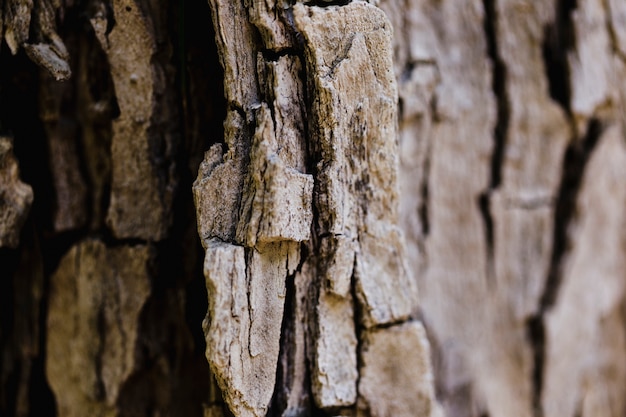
(484, 277)
(313, 188)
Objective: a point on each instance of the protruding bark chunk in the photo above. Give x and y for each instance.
(278, 203)
(348, 52)
(218, 188)
(242, 328)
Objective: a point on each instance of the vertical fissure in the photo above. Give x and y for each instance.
(279, 402)
(574, 163)
(575, 160)
(202, 108)
(500, 130)
(359, 328)
(535, 333)
(559, 39)
(425, 194)
(498, 85)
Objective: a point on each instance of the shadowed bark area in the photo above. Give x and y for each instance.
(300, 208)
(100, 316)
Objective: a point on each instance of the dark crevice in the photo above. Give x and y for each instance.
(200, 78)
(282, 386)
(328, 3)
(499, 90)
(388, 324)
(271, 55)
(559, 40)
(22, 372)
(232, 106)
(177, 265)
(535, 332)
(433, 106)
(484, 206)
(574, 163)
(24, 390)
(111, 241)
(90, 87)
(358, 322)
(425, 193)
(499, 79)
(311, 301)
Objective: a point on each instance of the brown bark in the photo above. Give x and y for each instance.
(393, 207)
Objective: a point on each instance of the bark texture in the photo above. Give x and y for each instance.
(308, 177)
(508, 200)
(293, 208)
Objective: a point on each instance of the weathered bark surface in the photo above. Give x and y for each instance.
(280, 238)
(379, 186)
(511, 131)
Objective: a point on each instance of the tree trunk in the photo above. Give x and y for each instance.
(393, 208)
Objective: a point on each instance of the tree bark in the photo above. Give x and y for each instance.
(292, 208)
(512, 147)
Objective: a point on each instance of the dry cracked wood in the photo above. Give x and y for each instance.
(317, 86)
(253, 200)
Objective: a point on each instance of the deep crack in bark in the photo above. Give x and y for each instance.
(574, 163)
(559, 39)
(500, 129)
(423, 207)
